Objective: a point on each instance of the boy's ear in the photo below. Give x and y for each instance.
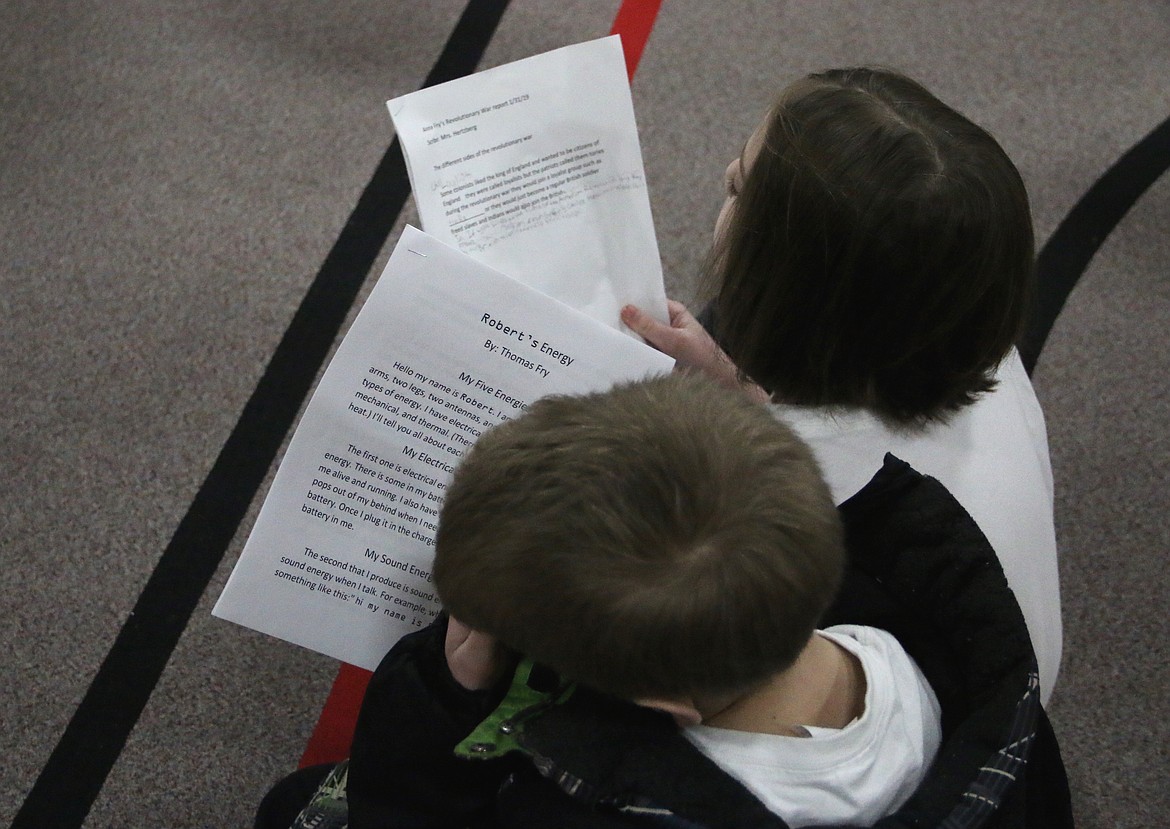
(683, 710)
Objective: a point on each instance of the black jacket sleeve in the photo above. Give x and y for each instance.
(402, 771)
(921, 568)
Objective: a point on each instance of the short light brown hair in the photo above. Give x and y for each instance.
(665, 537)
(880, 254)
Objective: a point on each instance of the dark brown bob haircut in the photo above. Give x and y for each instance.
(663, 538)
(880, 254)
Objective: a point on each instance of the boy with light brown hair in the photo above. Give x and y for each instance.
(669, 548)
(673, 545)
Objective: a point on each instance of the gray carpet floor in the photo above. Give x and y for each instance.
(173, 175)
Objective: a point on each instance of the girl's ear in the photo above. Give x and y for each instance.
(683, 710)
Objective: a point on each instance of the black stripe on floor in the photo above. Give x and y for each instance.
(77, 769)
(1069, 250)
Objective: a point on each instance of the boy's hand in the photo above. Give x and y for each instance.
(690, 345)
(475, 659)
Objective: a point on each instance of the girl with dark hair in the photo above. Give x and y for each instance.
(871, 272)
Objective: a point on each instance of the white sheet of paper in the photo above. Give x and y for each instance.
(535, 169)
(340, 557)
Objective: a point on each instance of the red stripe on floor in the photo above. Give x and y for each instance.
(333, 734)
(634, 22)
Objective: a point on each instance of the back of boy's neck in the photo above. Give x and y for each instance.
(824, 688)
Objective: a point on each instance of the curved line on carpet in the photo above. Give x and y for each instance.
(1066, 255)
(77, 769)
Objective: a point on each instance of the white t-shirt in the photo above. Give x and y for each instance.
(854, 775)
(993, 457)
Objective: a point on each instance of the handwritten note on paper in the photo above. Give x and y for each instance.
(535, 169)
(339, 560)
